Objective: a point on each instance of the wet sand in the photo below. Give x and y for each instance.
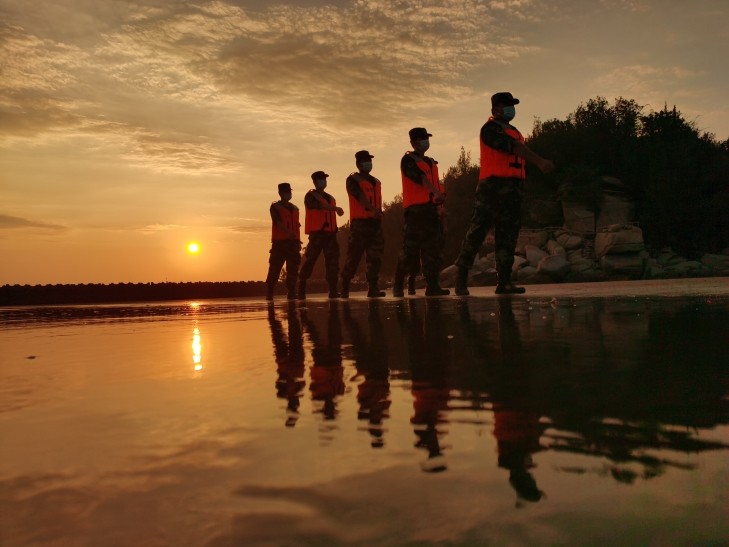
(574, 414)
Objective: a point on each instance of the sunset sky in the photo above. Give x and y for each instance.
(130, 129)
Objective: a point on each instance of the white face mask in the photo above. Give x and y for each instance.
(366, 166)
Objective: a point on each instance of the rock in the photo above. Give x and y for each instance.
(534, 255)
(618, 239)
(485, 262)
(684, 268)
(526, 274)
(555, 266)
(555, 248)
(519, 262)
(668, 257)
(578, 218)
(537, 238)
(568, 240)
(582, 265)
(575, 256)
(481, 278)
(541, 212)
(716, 262)
(447, 276)
(631, 265)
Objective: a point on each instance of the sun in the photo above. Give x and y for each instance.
(193, 248)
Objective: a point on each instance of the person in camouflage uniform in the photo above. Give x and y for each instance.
(498, 194)
(321, 225)
(423, 239)
(285, 242)
(365, 232)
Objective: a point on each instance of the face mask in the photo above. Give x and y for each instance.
(366, 166)
(286, 197)
(321, 184)
(424, 145)
(508, 113)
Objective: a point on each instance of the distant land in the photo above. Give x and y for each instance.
(99, 293)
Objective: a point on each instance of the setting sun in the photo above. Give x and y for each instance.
(193, 248)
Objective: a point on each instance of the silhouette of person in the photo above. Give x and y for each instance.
(428, 353)
(285, 242)
(371, 362)
(289, 355)
(327, 373)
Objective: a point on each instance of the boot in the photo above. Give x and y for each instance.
(269, 291)
(462, 282)
(436, 290)
(345, 288)
(333, 289)
(411, 285)
(397, 290)
(301, 295)
(374, 292)
(509, 288)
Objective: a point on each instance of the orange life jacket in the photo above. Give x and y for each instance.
(290, 218)
(373, 194)
(495, 163)
(415, 193)
(321, 220)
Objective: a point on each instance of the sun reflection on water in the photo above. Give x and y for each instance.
(196, 350)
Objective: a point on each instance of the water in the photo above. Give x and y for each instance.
(545, 419)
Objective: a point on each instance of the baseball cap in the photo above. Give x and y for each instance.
(503, 98)
(419, 133)
(318, 175)
(284, 186)
(362, 155)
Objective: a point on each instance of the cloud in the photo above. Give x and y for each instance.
(8, 222)
(252, 226)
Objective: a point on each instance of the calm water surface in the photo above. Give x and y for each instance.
(479, 421)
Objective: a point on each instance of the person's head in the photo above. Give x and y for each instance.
(363, 159)
(502, 106)
(420, 139)
(319, 178)
(284, 190)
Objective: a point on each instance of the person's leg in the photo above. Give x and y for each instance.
(275, 263)
(313, 249)
(432, 249)
(481, 221)
(374, 250)
(293, 260)
(331, 262)
(508, 223)
(355, 249)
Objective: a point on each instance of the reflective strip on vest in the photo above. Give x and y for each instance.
(416, 193)
(371, 192)
(290, 219)
(495, 163)
(321, 220)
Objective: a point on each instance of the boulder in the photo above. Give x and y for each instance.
(578, 218)
(619, 239)
(555, 266)
(575, 256)
(687, 268)
(485, 262)
(568, 240)
(519, 262)
(534, 254)
(537, 238)
(630, 265)
(716, 262)
(668, 257)
(555, 248)
(541, 212)
(581, 265)
(447, 276)
(526, 274)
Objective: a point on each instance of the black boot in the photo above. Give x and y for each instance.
(301, 295)
(432, 286)
(504, 284)
(345, 288)
(462, 282)
(269, 292)
(333, 289)
(411, 285)
(374, 292)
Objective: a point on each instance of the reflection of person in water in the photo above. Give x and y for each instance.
(428, 350)
(289, 353)
(370, 360)
(327, 374)
(516, 426)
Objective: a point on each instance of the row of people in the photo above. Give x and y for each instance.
(497, 204)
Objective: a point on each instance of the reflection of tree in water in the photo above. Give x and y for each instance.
(327, 374)
(373, 373)
(623, 409)
(289, 354)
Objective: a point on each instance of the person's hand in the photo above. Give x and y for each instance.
(546, 166)
(438, 197)
(339, 211)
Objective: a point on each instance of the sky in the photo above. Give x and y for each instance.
(129, 129)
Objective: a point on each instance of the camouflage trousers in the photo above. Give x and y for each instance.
(423, 242)
(498, 205)
(288, 252)
(365, 237)
(321, 242)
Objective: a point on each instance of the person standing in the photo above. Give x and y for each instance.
(422, 193)
(498, 194)
(321, 226)
(285, 242)
(365, 234)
